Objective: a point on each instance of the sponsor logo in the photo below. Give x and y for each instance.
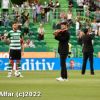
(1, 62)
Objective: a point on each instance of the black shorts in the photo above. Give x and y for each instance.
(15, 54)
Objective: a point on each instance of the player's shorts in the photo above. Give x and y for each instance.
(15, 54)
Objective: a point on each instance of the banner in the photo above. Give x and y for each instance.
(31, 55)
(48, 64)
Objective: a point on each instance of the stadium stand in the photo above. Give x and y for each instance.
(49, 43)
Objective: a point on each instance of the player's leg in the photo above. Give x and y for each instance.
(11, 63)
(10, 68)
(63, 66)
(18, 64)
(18, 69)
(85, 57)
(91, 63)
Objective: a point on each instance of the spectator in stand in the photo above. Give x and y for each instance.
(78, 15)
(19, 22)
(80, 35)
(69, 17)
(38, 12)
(23, 18)
(47, 11)
(34, 12)
(16, 15)
(29, 43)
(80, 5)
(6, 20)
(94, 26)
(51, 5)
(86, 8)
(50, 10)
(5, 6)
(70, 4)
(41, 32)
(32, 45)
(57, 10)
(88, 24)
(87, 13)
(63, 16)
(43, 15)
(92, 6)
(78, 26)
(97, 15)
(26, 24)
(57, 4)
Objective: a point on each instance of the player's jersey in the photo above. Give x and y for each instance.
(14, 37)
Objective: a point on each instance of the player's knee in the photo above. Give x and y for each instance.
(11, 63)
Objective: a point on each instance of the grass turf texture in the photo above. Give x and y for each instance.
(78, 87)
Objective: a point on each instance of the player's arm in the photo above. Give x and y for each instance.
(22, 46)
(63, 38)
(7, 38)
(22, 50)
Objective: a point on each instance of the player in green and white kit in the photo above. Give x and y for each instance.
(16, 50)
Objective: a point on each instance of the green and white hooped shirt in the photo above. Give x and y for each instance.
(14, 37)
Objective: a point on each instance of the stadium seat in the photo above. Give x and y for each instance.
(96, 38)
(9, 28)
(2, 28)
(74, 42)
(73, 37)
(96, 42)
(36, 42)
(2, 43)
(33, 37)
(1, 32)
(6, 48)
(96, 49)
(42, 43)
(26, 37)
(31, 25)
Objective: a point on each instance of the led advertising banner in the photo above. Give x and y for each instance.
(48, 64)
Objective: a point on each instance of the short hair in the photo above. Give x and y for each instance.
(63, 23)
(86, 30)
(15, 22)
(72, 60)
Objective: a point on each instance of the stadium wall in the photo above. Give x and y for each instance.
(32, 55)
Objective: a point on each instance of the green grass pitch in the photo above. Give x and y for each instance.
(78, 87)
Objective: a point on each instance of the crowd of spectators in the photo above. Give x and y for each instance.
(88, 17)
(91, 16)
(41, 13)
(26, 12)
